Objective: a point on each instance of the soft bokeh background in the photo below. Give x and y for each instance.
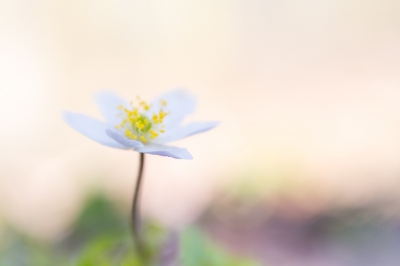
(308, 93)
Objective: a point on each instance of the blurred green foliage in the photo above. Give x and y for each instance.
(197, 250)
(101, 236)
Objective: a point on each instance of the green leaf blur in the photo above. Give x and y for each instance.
(101, 236)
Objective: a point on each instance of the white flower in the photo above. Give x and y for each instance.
(139, 126)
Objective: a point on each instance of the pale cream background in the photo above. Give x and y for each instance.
(308, 93)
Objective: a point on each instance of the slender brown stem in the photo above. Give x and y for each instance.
(137, 237)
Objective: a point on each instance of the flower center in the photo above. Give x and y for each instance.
(141, 122)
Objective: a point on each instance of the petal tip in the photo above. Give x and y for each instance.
(215, 124)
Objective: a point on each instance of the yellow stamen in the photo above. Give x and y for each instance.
(129, 134)
(139, 125)
(162, 114)
(155, 119)
(145, 105)
(153, 133)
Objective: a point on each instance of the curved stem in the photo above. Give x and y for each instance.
(135, 212)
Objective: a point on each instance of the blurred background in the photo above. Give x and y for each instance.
(305, 166)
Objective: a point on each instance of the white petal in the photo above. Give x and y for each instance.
(91, 128)
(129, 143)
(188, 130)
(108, 102)
(193, 129)
(179, 103)
(169, 151)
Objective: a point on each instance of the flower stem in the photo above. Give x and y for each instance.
(137, 237)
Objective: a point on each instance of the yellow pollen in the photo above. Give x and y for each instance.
(163, 102)
(153, 133)
(162, 115)
(162, 130)
(145, 105)
(142, 138)
(129, 134)
(122, 123)
(155, 119)
(139, 125)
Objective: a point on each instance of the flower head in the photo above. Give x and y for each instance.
(141, 126)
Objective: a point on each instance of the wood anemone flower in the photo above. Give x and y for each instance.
(139, 126)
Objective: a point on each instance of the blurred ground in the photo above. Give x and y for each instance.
(333, 237)
(227, 232)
